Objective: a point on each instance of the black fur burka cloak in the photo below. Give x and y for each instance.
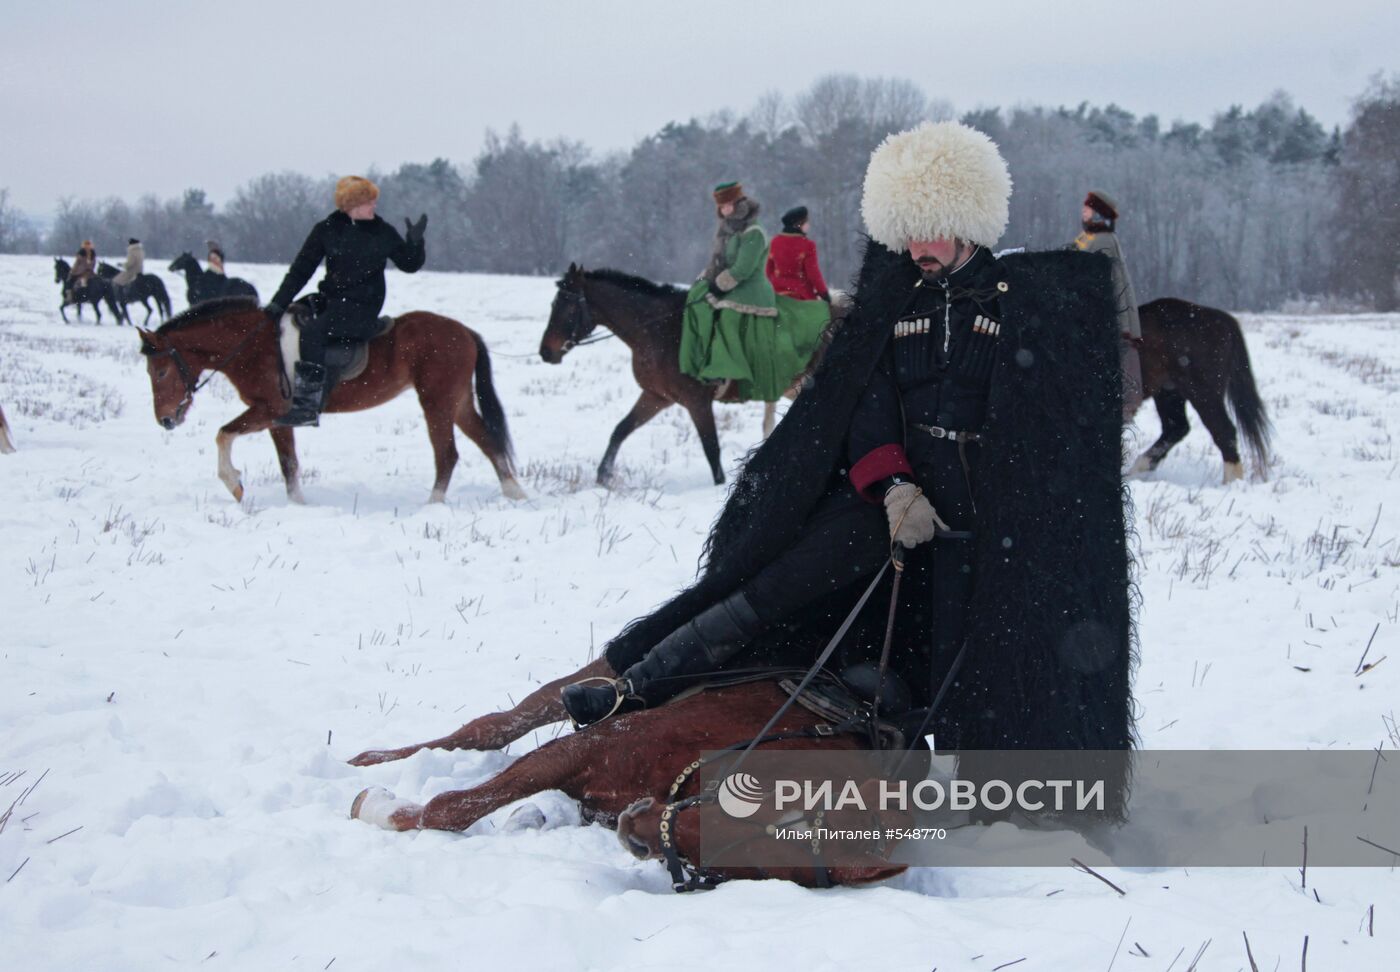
(1050, 640)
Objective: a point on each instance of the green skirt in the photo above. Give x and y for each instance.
(764, 355)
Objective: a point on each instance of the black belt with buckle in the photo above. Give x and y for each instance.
(952, 435)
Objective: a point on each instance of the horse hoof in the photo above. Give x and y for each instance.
(237, 493)
(512, 491)
(1143, 465)
(377, 806)
(527, 816)
(1233, 472)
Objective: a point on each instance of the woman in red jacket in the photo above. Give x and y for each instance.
(792, 260)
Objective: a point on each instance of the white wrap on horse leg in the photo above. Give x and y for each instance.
(377, 805)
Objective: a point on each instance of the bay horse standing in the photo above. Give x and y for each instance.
(622, 772)
(96, 290)
(202, 284)
(145, 287)
(648, 318)
(1197, 354)
(435, 356)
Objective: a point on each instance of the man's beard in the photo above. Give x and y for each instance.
(933, 268)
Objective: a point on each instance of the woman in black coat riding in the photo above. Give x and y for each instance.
(355, 244)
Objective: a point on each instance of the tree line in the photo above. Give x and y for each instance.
(1260, 207)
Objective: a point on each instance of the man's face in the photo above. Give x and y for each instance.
(1087, 215)
(936, 257)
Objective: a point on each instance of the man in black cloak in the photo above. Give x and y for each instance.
(968, 409)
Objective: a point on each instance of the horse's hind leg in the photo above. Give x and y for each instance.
(474, 428)
(770, 412)
(285, 441)
(702, 413)
(1217, 421)
(648, 404)
(440, 434)
(1171, 409)
(497, 729)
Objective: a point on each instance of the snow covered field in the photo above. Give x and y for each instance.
(188, 675)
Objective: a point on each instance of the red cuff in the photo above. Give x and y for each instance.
(877, 465)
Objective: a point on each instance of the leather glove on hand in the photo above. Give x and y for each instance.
(716, 290)
(415, 230)
(912, 517)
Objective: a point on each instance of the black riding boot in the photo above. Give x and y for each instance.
(699, 646)
(306, 395)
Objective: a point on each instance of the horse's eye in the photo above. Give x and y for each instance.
(162, 372)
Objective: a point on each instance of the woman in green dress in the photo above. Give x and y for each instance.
(731, 315)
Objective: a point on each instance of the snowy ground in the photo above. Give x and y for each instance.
(188, 675)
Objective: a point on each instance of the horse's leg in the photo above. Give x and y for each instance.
(1171, 409)
(284, 439)
(63, 313)
(497, 729)
(552, 768)
(255, 419)
(148, 312)
(648, 404)
(1217, 421)
(702, 413)
(6, 443)
(440, 434)
(474, 428)
(770, 412)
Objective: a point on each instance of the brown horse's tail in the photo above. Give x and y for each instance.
(1245, 400)
(492, 414)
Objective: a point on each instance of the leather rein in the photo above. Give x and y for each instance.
(183, 366)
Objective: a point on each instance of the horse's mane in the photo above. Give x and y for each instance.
(633, 283)
(206, 311)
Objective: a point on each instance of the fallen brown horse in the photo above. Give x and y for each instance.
(1197, 354)
(435, 356)
(622, 771)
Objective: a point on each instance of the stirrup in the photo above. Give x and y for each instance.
(616, 685)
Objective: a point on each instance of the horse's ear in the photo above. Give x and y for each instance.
(148, 338)
(573, 268)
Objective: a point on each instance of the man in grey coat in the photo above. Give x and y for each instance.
(1098, 217)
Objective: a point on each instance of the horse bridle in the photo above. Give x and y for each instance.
(183, 367)
(581, 323)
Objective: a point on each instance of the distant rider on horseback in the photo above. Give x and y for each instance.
(135, 262)
(355, 244)
(84, 267)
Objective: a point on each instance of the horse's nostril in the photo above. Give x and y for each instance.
(168, 422)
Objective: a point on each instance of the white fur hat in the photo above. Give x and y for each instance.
(938, 180)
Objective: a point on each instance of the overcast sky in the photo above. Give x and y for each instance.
(133, 96)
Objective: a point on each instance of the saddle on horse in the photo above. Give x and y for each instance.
(313, 382)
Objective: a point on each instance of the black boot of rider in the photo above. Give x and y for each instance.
(306, 395)
(697, 647)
